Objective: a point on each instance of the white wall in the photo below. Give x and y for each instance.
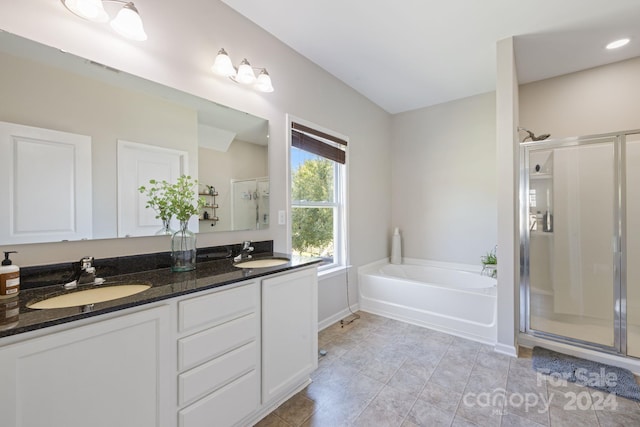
(599, 100)
(444, 180)
(182, 44)
(333, 293)
(508, 201)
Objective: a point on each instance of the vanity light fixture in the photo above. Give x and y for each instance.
(244, 74)
(127, 22)
(263, 82)
(618, 43)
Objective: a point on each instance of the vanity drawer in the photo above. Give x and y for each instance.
(215, 341)
(217, 307)
(216, 373)
(224, 407)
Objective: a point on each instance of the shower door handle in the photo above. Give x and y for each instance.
(617, 258)
(615, 244)
(620, 301)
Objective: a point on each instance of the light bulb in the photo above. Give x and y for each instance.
(618, 43)
(263, 83)
(222, 65)
(128, 23)
(245, 73)
(87, 9)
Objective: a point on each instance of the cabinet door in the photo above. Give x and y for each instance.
(289, 331)
(104, 374)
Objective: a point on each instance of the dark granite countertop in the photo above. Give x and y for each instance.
(17, 318)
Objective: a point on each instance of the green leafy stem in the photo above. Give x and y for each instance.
(178, 199)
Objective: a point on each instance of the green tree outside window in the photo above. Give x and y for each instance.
(312, 226)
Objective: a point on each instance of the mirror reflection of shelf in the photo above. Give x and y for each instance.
(211, 205)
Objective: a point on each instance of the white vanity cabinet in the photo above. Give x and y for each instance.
(219, 357)
(103, 374)
(222, 357)
(289, 332)
(243, 350)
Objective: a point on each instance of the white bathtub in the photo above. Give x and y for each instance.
(455, 301)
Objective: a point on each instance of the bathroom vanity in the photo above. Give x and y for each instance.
(196, 349)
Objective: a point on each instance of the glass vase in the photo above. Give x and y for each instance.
(166, 228)
(183, 249)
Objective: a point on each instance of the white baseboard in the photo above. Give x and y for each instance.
(509, 350)
(325, 323)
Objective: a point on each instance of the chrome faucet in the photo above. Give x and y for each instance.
(244, 252)
(84, 272)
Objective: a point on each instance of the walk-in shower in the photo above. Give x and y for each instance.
(249, 203)
(580, 241)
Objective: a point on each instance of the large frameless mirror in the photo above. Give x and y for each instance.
(78, 137)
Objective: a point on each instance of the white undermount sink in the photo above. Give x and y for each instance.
(261, 263)
(89, 296)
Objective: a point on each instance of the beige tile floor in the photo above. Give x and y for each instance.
(380, 372)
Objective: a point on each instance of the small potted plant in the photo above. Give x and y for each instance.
(490, 263)
(185, 203)
(158, 201)
(179, 200)
(182, 198)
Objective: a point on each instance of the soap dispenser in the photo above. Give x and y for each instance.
(9, 277)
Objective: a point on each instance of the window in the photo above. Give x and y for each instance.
(318, 181)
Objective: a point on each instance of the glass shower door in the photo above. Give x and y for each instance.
(571, 226)
(632, 243)
(244, 206)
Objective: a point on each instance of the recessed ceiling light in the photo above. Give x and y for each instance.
(618, 43)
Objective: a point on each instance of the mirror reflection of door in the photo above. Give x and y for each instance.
(249, 198)
(46, 185)
(137, 165)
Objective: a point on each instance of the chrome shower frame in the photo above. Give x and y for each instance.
(619, 240)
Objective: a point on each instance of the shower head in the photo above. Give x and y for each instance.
(532, 136)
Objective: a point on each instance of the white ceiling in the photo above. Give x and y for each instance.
(409, 54)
